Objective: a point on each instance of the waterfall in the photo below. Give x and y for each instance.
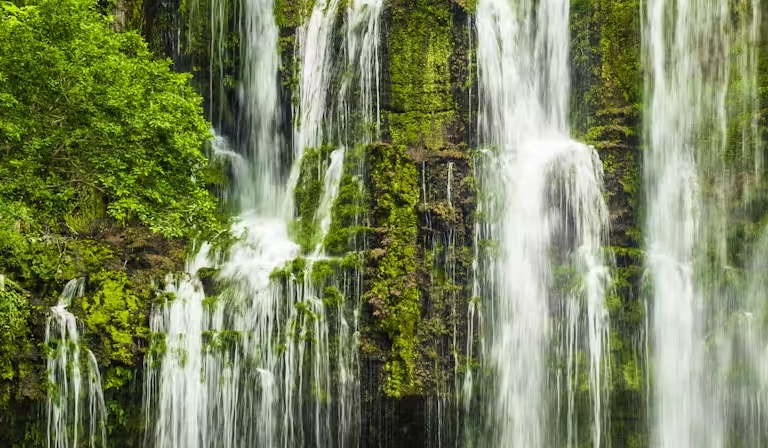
(330, 191)
(702, 170)
(74, 402)
(314, 48)
(543, 192)
(751, 396)
(363, 34)
(260, 96)
(251, 365)
(181, 405)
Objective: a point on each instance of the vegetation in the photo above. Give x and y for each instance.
(422, 107)
(102, 176)
(307, 195)
(348, 213)
(393, 294)
(90, 118)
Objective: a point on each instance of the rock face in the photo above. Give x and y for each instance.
(421, 247)
(417, 240)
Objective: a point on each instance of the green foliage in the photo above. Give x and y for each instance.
(222, 341)
(323, 270)
(117, 377)
(291, 13)
(14, 339)
(393, 292)
(94, 132)
(116, 312)
(88, 115)
(307, 196)
(419, 49)
(606, 69)
(348, 213)
(15, 248)
(332, 296)
(468, 5)
(293, 270)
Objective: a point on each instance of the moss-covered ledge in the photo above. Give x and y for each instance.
(606, 70)
(419, 108)
(392, 291)
(446, 229)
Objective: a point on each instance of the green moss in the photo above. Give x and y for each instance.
(420, 44)
(15, 341)
(222, 341)
(353, 261)
(332, 296)
(393, 294)
(348, 213)
(632, 375)
(293, 270)
(292, 13)
(85, 257)
(117, 377)
(606, 52)
(418, 127)
(468, 5)
(607, 93)
(323, 270)
(157, 348)
(307, 194)
(116, 313)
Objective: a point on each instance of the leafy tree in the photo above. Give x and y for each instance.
(93, 129)
(90, 121)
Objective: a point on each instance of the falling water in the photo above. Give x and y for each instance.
(700, 175)
(260, 95)
(545, 200)
(680, 105)
(251, 366)
(330, 191)
(74, 401)
(180, 401)
(314, 47)
(363, 38)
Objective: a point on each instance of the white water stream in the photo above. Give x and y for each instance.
(701, 83)
(77, 415)
(363, 40)
(544, 197)
(252, 367)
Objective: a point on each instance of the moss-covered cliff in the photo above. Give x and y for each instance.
(103, 177)
(607, 113)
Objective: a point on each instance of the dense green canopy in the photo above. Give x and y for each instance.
(89, 118)
(95, 133)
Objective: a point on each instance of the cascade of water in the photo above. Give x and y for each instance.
(309, 323)
(181, 405)
(363, 34)
(314, 48)
(260, 97)
(360, 119)
(701, 167)
(253, 366)
(66, 416)
(686, 101)
(219, 383)
(233, 162)
(330, 191)
(545, 197)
